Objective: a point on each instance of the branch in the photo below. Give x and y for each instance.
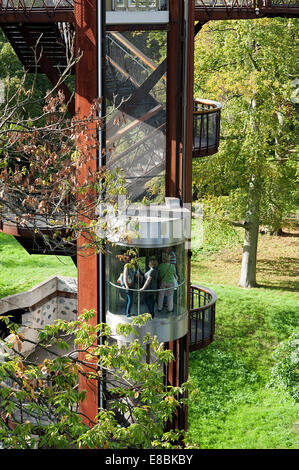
(243, 224)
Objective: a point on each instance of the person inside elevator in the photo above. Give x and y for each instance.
(128, 280)
(166, 272)
(171, 253)
(173, 260)
(151, 284)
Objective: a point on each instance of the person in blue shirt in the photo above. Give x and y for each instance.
(128, 282)
(151, 284)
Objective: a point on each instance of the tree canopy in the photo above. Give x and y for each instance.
(39, 401)
(250, 67)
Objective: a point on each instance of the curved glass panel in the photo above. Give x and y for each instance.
(146, 280)
(136, 5)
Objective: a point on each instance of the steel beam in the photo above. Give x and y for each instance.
(242, 13)
(58, 16)
(86, 93)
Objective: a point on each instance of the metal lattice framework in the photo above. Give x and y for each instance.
(29, 5)
(208, 6)
(237, 9)
(231, 4)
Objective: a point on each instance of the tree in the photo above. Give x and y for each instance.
(40, 161)
(12, 76)
(40, 165)
(40, 402)
(250, 67)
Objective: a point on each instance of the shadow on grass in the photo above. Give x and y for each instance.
(282, 266)
(288, 286)
(290, 235)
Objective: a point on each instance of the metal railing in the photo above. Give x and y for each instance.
(30, 5)
(245, 4)
(201, 317)
(147, 5)
(137, 5)
(206, 127)
(139, 306)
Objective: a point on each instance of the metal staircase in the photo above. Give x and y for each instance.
(136, 130)
(49, 37)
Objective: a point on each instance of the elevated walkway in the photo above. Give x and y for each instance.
(36, 11)
(206, 10)
(140, 140)
(150, 12)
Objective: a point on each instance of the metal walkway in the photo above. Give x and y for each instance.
(47, 11)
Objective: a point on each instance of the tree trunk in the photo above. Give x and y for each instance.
(248, 269)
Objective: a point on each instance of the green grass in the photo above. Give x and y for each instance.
(231, 406)
(20, 271)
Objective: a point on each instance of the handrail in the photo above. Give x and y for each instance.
(206, 290)
(202, 317)
(206, 127)
(147, 290)
(208, 106)
(229, 8)
(33, 5)
(245, 4)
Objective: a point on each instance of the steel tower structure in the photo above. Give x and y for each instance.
(163, 130)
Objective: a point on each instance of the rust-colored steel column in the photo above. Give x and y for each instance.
(174, 98)
(188, 143)
(86, 92)
(188, 102)
(180, 74)
(173, 155)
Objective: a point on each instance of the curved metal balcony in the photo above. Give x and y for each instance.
(201, 317)
(206, 127)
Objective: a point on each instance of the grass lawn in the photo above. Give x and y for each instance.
(20, 271)
(230, 405)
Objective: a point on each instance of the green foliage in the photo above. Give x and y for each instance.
(285, 372)
(250, 67)
(212, 232)
(12, 74)
(151, 43)
(42, 400)
(231, 405)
